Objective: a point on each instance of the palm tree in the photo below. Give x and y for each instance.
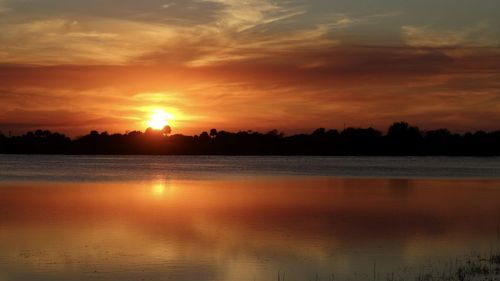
(166, 130)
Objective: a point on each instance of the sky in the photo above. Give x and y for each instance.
(73, 66)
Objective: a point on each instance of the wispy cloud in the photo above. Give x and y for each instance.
(58, 40)
(237, 26)
(167, 5)
(425, 36)
(243, 15)
(3, 7)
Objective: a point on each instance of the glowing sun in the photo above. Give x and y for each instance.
(159, 119)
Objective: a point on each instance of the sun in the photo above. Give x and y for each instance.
(159, 119)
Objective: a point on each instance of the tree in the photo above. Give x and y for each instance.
(166, 130)
(404, 139)
(402, 131)
(204, 137)
(149, 131)
(213, 133)
(320, 132)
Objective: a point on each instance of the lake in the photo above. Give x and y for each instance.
(244, 218)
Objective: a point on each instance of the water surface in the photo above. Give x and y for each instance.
(122, 168)
(209, 218)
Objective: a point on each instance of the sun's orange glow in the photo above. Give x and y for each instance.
(158, 189)
(159, 119)
(294, 67)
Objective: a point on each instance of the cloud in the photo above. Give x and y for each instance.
(264, 39)
(241, 30)
(168, 5)
(3, 7)
(236, 31)
(59, 40)
(21, 119)
(236, 64)
(243, 15)
(425, 36)
(360, 86)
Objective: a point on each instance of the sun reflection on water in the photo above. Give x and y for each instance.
(224, 229)
(159, 189)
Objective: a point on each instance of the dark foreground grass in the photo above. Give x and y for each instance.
(473, 267)
(470, 268)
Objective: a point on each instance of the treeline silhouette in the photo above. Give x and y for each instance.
(400, 139)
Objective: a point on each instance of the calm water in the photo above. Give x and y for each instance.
(242, 218)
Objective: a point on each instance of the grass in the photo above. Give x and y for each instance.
(474, 267)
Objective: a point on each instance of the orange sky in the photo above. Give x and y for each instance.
(290, 65)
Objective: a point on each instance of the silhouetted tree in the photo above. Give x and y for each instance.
(274, 132)
(166, 130)
(404, 132)
(332, 133)
(150, 131)
(401, 139)
(404, 139)
(204, 137)
(320, 132)
(213, 133)
(442, 141)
